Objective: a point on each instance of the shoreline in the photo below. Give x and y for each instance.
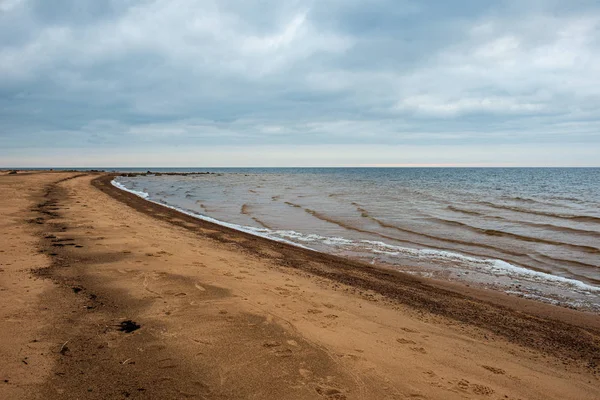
(385, 279)
(106, 295)
(525, 275)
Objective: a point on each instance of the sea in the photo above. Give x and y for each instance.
(528, 232)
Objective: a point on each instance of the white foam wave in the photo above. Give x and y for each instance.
(262, 232)
(495, 267)
(143, 195)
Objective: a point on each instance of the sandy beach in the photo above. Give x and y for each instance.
(106, 296)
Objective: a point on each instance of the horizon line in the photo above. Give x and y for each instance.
(23, 168)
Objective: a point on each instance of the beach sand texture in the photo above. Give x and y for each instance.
(106, 296)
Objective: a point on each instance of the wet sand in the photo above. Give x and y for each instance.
(104, 295)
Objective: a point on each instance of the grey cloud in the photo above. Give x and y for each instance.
(94, 74)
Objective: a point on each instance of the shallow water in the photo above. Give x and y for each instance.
(526, 231)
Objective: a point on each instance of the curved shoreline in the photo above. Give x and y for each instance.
(487, 266)
(550, 329)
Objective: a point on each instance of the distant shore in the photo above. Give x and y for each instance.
(131, 298)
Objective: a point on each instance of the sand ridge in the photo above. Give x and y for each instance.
(222, 315)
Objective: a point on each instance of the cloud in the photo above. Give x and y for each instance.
(456, 106)
(145, 74)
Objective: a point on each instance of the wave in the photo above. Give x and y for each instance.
(383, 224)
(495, 232)
(261, 223)
(344, 225)
(559, 263)
(573, 263)
(468, 212)
(557, 228)
(262, 232)
(141, 194)
(326, 218)
(566, 198)
(245, 209)
(564, 229)
(580, 218)
(496, 267)
(526, 200)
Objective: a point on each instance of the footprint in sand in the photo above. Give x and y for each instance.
(200, 288)
(497, 371)
(482, 390)
(330, 393)
(476, 388)
(405, 341)
(283, 352)
(409, 330)
(277, 349)
(419, 350)
(463, 384)
(282, 291)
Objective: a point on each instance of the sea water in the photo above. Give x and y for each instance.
(530, 232)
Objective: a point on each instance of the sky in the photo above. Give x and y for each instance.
(94, 83)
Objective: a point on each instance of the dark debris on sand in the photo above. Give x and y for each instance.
(128, 326)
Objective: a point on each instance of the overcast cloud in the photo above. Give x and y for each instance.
(330, 82)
